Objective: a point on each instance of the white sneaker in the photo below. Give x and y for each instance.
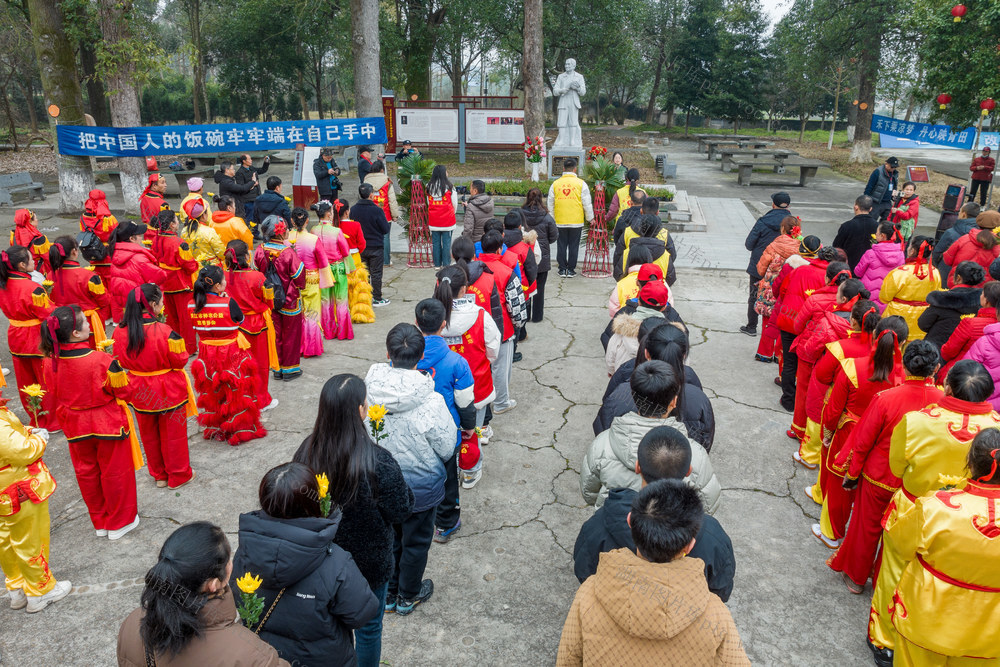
(6, 372)
(270, 406)
(802, 462)
(124, 530)
(101, 532)
(818, 533)
(510, 406)
(61, 590)
(486, 435)
(471, 477)
(809, 492)
(18, 600)
(378, 303)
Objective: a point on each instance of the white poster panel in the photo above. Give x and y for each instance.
(427, 126)
(494, 126)
(302, 172)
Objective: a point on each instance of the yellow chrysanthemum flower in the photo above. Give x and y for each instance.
(249, 583)
(376, 412)
(33, 390)
(324, 485)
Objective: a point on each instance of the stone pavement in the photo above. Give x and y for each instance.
(505, 583)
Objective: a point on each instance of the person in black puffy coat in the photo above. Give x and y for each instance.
(289, 545)
(538, 219)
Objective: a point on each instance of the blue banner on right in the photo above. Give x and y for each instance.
(924, 133)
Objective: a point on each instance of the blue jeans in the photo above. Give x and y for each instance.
(441, 247)
(368, 639)
(386, 259)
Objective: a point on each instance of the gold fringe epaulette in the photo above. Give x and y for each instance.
(117, 376)
(96, 286)
(40, 298)
(176, 345)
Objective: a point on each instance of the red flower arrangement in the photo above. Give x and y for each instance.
(534, 149)
(596, 152)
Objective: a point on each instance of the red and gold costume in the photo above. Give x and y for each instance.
(25, 487)
(947, 603)
(131, 266)
(866, 455)
(26, 234)
(73, 284)
(160, 393)
(928, 450)
(224, 373)
(287, 319)
(904, 292)
(246, 287)
(97, 218)
(852, 392)
(84, 384)
(26, 305)
(151, 202)
(174, 257)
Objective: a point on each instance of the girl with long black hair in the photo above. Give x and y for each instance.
(75, 284)
(160, 391)
(366, 483)
(224, 373)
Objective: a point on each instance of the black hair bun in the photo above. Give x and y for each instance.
(314, 207)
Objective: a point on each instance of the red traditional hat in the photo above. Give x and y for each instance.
(194, 208)
(654, 293)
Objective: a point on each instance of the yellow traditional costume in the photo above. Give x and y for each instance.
(946, 608)
(25, 486)
(904, 293)
(928, 451)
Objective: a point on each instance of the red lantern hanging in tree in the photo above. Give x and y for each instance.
(958, 11)
(943, 100)
(987, 106)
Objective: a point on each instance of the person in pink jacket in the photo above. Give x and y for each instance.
(318, 278)
(986, 351)
(880, 259)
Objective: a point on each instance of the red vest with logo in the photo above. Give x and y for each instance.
(473, 350)
(440, 212)
(381, 198)
(501, 276)
(521, 250)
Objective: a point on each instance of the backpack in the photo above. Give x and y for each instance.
(273, 282)
(91, 246)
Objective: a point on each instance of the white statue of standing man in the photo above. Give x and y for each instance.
(570, 87)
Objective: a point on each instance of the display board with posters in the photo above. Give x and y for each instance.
(427, 126)
(918, 174)
(494, 126)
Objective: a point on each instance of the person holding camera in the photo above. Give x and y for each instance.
(406, 150)
(326, 171)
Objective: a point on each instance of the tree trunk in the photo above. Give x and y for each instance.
(419, 49)
(319, 89)
(116, 27)
(28, 91)
(197, 61)
(861, 149)
(11, 125)
(61, 85)
(97, 99)
(532, 68)
(836, 109)
(670, 116)
(687, 120)
(365, 44)
(651, 107)
(802, 127)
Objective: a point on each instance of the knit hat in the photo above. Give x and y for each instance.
(194, 184)
(988, 219)
(194, 208)
(986, 149)
(995, 269)
(654, 294)
(809, 246)
(649, 272)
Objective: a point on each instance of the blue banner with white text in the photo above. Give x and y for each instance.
(234, 137)
(941, 135)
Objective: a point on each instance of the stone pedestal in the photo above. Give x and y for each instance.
(562, 153)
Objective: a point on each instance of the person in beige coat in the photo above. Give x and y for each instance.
(652, 607)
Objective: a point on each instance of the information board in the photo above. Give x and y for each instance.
(494, 126)
(427, 126)
(918, 174)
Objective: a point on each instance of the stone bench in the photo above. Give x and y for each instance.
(807, 169)
(16, 183)
(729, 154)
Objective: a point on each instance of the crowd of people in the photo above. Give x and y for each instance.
(888, 350)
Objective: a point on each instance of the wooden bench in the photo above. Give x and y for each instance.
(778, 154)
(16, 183)
(807, 169)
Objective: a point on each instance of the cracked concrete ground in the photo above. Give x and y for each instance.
(504, 584)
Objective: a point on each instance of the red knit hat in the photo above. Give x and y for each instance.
(654, 293)
(649, 272)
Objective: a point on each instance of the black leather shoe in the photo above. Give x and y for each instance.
(882, 656)
(516, 358)
(750, 331)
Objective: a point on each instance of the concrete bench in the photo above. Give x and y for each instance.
(714, 146)
(807, 169)
(16, 183)
(778, 154)
(350, 155)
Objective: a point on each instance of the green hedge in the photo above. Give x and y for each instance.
(512, 188)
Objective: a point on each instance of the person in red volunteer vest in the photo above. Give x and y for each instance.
(152, 201)
(160, 391)
(442, 202)
(384, 196)
(26, 305)
(514, 313)
(173, 256)
(86, 385)
(482, 287)
(521, 245)
(73, 284)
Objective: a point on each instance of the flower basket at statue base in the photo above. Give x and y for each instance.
(534, 171)
(597, 258)
(418, 230)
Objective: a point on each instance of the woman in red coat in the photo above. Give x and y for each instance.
(26, 305)
(26, 234)
(159, 389)
(174, 257)
(865, 460)
(292, 274)
(131, 265)
(224, 373)
(73, 284)
(246, 286)
(84, 384)
(970, 329)
(980, 246)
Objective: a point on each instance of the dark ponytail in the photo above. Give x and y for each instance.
(669, 343)
(60, 250)
(852, 287)
(837, 272)
(463, 251)
(223, 202)
(867, 315)
(987, 239)
(890, 335)
(450, 281)
(138, 306)
(58, 327)
(984, 457)
(208, 277)
(300, 217)
(632, 176)
(236, 255)
(162, 220)
(122, 233)
(10, 259)
(191, 556)
(922, 246)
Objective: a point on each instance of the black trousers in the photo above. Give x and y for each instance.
(568, 248)
(409, 547)
(881, 211)
(449, 510)
(788, 368)
(374, 259)
(536, 304)
(751, 313)
(983, 187)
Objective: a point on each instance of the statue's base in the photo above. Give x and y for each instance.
(565, 152)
